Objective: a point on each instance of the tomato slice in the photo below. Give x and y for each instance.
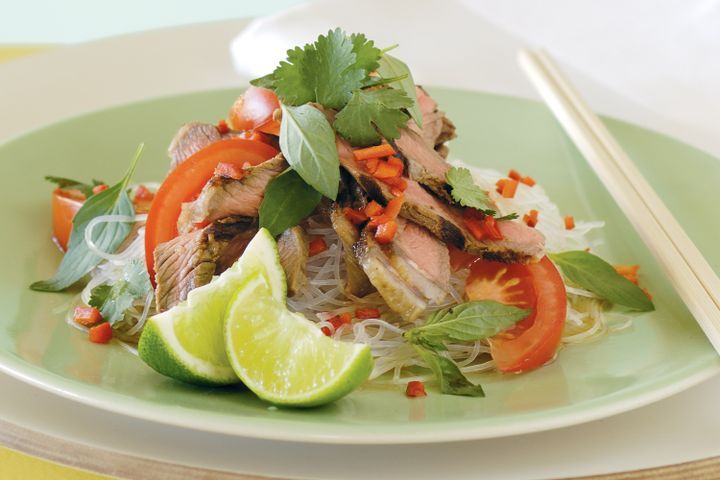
(185, 183)
(533, 341)
(65, 204)
(254, 111)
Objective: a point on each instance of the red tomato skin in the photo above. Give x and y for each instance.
(534, 340)
(65, 204)
(254, 111)
(186, 181)
(101, 333)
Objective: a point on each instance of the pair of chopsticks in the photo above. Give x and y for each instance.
(685, 266)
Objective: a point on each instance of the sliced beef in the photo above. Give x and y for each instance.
(191, 138)
(357, 282)
(397, 293)
(223, 196)
(424, 164)
(436, 128)
(421, 260)
(520, 244)
(190, 260)
(293, 248)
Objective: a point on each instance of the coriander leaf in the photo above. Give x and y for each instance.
(389, 67)
(332, 66)
(468, 321)
(595, 274)
(79, 259)
(290, 81)
(70, 184)
(288, 200)
(366, 53)
(465, 191)
(308, 143)
(113, 300)
(372, 113)
(509, 216)
(451, 379)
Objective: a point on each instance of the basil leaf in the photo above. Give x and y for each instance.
(393, 67)
(113, 300)
(596, 275)
(451, 379)
(79, 260)
(308, 143)
(288, 200)
(467, 322)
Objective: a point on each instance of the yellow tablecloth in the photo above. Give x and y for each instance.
(14, 465)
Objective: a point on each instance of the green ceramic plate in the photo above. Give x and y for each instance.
(663, 353)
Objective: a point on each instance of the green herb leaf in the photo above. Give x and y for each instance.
(466, 192)
(79, 260)
(70, 184)
(466, 322)
(367, 55)
(114, 300)
(451, 379)
(372, 113)
(288, 201)
(327, 71)
(389, 67)
(308, 143)
(596, 275)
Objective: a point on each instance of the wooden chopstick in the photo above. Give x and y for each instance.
(691, 275)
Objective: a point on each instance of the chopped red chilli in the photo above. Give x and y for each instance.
(415, 388)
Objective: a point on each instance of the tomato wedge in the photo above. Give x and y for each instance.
(533, 341)
(185, 183)
(65, 204)
(254, 111)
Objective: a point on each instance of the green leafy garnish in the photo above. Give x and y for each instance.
(113, 300)
(466, 322)
(70, 184)
(326, 71)
(287, 201)
(596, 275)
(391, 67)
(372, 113)
(308, 143)
(79, 259)
(451, 379)
(465, 192)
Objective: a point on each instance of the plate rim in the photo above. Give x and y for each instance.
(265, 429)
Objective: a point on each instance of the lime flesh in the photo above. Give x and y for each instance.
(283, 357)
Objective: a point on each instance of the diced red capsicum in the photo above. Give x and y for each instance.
(377, 151)
(87, 316)
(337, 321)
(415, 388)
(316, 246)
(531, 218)
(355, 216)
(569, 222)
(365, 313)
(101, 333)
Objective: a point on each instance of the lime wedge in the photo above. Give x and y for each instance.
(186, 342)
(283, 357)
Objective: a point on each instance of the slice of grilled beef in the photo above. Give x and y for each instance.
(190, 260)
(421, 260)
(191, 138)
(293, 248)
(424, 164)
(223, 196)
(520, 243)
(436, 128)
(356, 281)
(400, 296)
